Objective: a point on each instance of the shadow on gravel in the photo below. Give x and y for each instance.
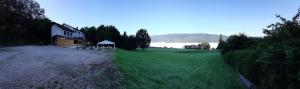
(106, 76)
(96, 76)
(49, 67)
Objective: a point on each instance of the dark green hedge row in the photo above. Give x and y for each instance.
(244, 61)
(271, 62)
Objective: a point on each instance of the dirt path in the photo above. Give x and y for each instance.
(52, 67)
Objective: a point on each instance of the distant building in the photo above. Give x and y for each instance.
(66, 35)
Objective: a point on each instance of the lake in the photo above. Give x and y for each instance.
(179, 45)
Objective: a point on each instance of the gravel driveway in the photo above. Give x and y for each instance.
(50, 67)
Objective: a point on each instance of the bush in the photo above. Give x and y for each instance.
(238, 42)
(128, 42)
(272, 62)
(244, 61)
(221, 42)
(142, 38)
(280, 67)
(280, 55)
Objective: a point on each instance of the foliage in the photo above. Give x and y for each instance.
(90, 34)
(244, 61)
(280, 55)
(111, 33)
(95, 35)
(272, 62)
(131, 43)
(205, 45)
(143, 39)
(23, 22)
(40, 31)
(221, 42)
(128, 42)
(156, 68)
(238, 42)
(124, 41)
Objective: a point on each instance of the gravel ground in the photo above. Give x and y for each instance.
(50, 67)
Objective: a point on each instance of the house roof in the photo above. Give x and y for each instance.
(69, 28)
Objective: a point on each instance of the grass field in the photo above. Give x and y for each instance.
(155, 68)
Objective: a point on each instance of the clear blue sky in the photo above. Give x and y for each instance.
(172, 16)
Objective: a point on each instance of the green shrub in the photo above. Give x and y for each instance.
(238, 42)
(270, 63)
(244, 61)
(279, 57)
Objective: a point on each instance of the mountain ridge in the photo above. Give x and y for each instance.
(186, 37)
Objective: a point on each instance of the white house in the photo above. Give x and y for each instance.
(66, 35)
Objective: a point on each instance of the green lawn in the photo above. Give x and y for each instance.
(175, 69)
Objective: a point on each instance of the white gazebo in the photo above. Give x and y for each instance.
(106, 44)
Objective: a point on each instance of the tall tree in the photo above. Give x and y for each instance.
(110, 33)
(131, 43)
(17, 20)
(143, 39)
(221, 42)
(123, 41)
(101, 33)
(90, 34)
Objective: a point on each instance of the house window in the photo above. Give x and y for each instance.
(65, 33)
(76, 42)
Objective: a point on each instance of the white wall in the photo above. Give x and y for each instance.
(78, 34)
(55, 30)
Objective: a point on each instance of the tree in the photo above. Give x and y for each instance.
(108, 32)
(238, 42)
(143, 39)
(205, 46)
(221, 42)
(101, 33)
(123, 41)
(22, 21)
(279, 55)
(272, 62)
(90, 34)
(40, 31)
(128, 42)
(131, 43)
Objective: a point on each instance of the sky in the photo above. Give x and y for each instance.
(225, 17)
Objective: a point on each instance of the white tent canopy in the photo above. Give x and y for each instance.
(105, 42)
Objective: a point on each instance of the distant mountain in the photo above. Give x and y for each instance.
(186, 37)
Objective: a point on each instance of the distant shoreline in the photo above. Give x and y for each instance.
(179, 44)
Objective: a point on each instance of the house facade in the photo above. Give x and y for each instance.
(65, 35)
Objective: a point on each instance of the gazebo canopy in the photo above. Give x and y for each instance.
(106, 42)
